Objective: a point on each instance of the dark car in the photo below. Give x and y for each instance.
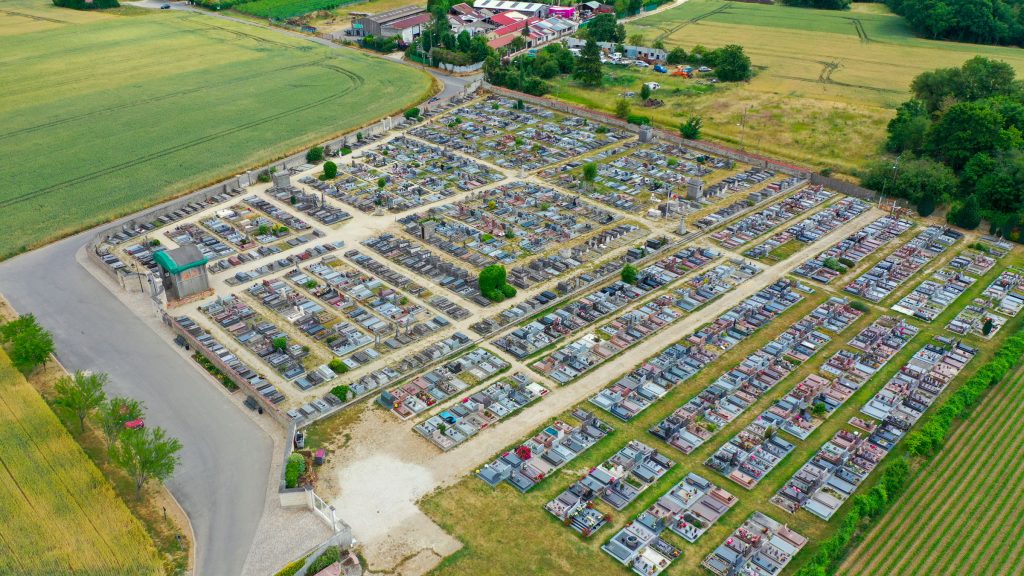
(165, 6)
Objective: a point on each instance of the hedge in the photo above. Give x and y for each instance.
(83, 5)
(925, 442)
(294, 469)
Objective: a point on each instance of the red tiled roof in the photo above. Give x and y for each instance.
(501, 41)
(503, 19)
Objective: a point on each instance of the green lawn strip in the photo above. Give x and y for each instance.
(902, 511)
(934, 515)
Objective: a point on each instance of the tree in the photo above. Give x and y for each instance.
(968, 214)
(146, 454)
(315, 154)
(464, 41)
(629, 274)
(819, 4)
(10, 330)
(690, 129)
(676, 56)
(1001, 188)
(80, 394)
(732, 64)
(645, 92)
(590, 172)
(986, 328)
(280, 343)
(588, 65)
(330, 169)
(622, 108)
(493, 285)
(115, 413)
(914, 178)
(909, 128)
(605, 28)
(411, 113)
(964, 130)
(926, 206)
(636, 39)
(30, 347)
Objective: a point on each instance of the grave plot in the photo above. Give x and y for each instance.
(575, 507)
(380, 310)
(544, 453)
(638, 179)
(403, 282)
(423, 262)
(691, 507)
(574, 359)
(916, 386)
(276, 265)
(751, 454)
(313, 205)
(211, 247)
(278, 214)
(898, 267)
(212, 348)
(408, 363)
(851, 250)
(638, 546)
(244, 228)
(831, 476)
(1006, 293)
(809, 230)
(973, 319)
(259, 336)
(463, 420)
(760, 547)
(807, 405)
(590, 308)
(974, 262)
(564, 261)
(510, 222)
(365, 188)
(619, 480)
(455, 376)
(880, 341)
(342, 337)
(770, 190)
(692, 424)
(754, 225)
(932, 296)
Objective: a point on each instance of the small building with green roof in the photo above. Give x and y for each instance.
(183, 271)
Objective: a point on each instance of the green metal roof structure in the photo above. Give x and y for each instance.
(180, 259)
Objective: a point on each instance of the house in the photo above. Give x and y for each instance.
(465, 18)
(405, 22)
(527, 8)
(644, 53)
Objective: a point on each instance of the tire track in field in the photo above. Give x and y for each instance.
(961, 507)
(937, 486)
(858, 26)
(154, 99)
(357, 82)
(899, 514)
(34, 17)
(668, 32)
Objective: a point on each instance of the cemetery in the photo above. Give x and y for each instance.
(760, 546)
(691, 507)
(545, 452)
(751, 454)
(468, 417)
(423, 262)
(757, 224)
(932, 296)
(780, 245)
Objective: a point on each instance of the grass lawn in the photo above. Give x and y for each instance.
(502, 528)
(827, 81)
(60, 515)
(102, 115)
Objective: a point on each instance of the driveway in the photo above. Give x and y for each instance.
(222, 480)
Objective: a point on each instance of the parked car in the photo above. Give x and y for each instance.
(660, 69)
(652, 85)
(165, 6)
(704, 69)
(641, 64)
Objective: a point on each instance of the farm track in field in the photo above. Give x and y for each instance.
(154, 99)
(34, 17)
(666, 32)
(357, 81)
(959, 455)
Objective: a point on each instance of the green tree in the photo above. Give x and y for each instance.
(80, 394)
(645, 92)
(330, 169)
(629, 274)
(23, 323)
(914, 178)
(732, 64)
(590, 172)
(926, 205)
(676, 56)
(588, 65)
(605, 28)
(145, 454)
(464, 41)
(908, 130)
(31, 347)
(968, 214)
(966, 129)
(636, 39)
(491, 281)
(280, 343)
(315, 154)
(691, 127)
(622, 108)
(1001, 188)
(113, 414)
(986, 328)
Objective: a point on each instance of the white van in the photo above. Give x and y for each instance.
(652, 85)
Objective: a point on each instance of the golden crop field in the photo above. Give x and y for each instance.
(59, 514)
(826, 81)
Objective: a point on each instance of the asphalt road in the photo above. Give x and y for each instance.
(222, 480)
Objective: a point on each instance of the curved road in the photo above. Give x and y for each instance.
(222, 481)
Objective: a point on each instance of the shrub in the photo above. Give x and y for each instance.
(315, 154)
(342, 392)
(330, 169)
(293, 470)
(629, 274)
(508, 290)
(329, 556)
(691, 128)
(412, 113)
(83, 5)
(859, 306)
(638, 119)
